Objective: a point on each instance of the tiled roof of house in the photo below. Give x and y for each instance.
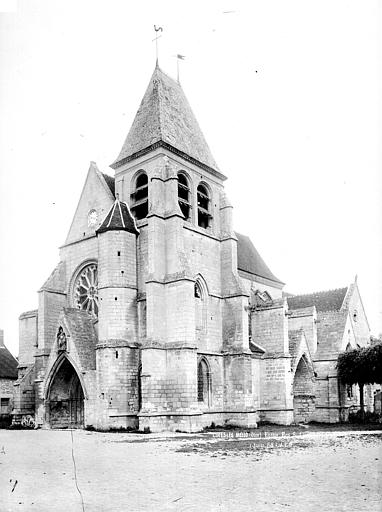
(330, 300)
(119, 218)
(165, 116)
(249, 260)
(8, 364)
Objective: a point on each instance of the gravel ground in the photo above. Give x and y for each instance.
(266, 470)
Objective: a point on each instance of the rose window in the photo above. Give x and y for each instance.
(86, 289)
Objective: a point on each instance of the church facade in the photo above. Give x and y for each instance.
(159, 316)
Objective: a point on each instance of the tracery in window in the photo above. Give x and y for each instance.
(86, 289)
(184, 196)
(140, 197)
(203, 200)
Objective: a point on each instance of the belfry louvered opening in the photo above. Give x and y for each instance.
(184, 196)
(203, 200)
(140, 197)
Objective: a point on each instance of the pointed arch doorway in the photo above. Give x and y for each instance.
(65, 398)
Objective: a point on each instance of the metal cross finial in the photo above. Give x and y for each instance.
(159, 29)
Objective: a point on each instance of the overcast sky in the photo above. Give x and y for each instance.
(287, 93)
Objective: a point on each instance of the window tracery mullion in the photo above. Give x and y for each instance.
(86, 292)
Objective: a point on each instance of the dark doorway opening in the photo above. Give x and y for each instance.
(66, 398)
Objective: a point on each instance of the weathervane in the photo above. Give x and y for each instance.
(159, 29)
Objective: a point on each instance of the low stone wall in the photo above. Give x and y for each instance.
(197, 421)
(304, 408)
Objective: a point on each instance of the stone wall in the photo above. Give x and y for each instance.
(270, 328)
(27, 337)
(95, 195)
(305, 319)
(24, 395)
(117, 386)
(6, 401)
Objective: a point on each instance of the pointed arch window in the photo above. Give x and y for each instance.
(204, 206)
(184, 195)
(140, 197)
(204, 382)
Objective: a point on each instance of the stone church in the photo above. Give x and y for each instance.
(160, 316)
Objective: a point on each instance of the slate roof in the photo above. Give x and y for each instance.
(81, 327)
(119, 218)
(110, 181)
(330, 300)
(165, 117)
(8, 364)
(249, 260)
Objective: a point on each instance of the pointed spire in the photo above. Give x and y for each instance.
(119, 218)
(165, 119)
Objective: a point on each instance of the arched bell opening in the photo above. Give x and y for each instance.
(65, 398)
(303, 392)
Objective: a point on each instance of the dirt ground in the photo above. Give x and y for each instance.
(267, 470)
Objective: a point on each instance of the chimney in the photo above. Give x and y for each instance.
(1, 338)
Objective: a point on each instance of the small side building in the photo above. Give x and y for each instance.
(8, 375)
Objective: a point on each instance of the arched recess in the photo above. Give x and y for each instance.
(204, 382)
(303, 391)
(200, 298)
(64, 395)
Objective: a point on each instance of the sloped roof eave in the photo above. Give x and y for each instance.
(249, 260)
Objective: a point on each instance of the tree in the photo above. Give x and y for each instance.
(361, 366)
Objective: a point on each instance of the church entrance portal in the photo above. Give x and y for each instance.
(303, 392)
(65, 404)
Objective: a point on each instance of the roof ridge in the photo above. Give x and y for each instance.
(160, 105)
(313, 293)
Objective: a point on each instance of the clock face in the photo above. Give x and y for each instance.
(92, 218)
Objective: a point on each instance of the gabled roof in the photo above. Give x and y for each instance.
(8, 364)
(56, 280)
(110, 181)
(80, 324)
(119, 218)
(330, 300)
(165, 117)
(249, 260)
(294, 342)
